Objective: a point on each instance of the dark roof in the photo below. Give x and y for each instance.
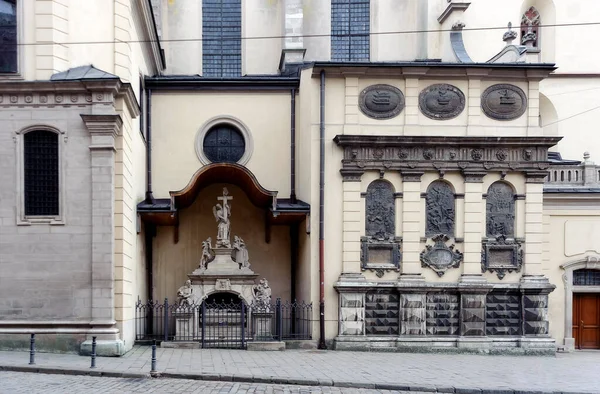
(572, 190)
(82, 73)
(164, 204)
(285, 205)
(556, 158)
(158, 204)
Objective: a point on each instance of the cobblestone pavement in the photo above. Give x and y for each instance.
(571, 372)
(21, 382)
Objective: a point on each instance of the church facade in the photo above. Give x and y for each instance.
(408, 169)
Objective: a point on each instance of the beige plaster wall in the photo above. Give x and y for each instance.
(572, 234)
(178, 117)
(173, 262)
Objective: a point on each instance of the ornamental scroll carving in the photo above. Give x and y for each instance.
(439, 212)
(380, 248)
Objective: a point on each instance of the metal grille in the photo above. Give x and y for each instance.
(350, 28)
(586, 278)
(222, 38)
(41, 173)
(223, 143)
(8, 36)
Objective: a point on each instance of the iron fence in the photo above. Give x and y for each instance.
(222, 324)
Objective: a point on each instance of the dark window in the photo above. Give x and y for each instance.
(8, 36)
(224, 143)
(221, 38)
(586, 278)
(350, 28)
(41, 173)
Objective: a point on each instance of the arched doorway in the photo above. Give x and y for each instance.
(582, 303)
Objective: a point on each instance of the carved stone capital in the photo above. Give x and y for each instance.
(351, 174)
(535, 176)
(473, 176)
(411, 175)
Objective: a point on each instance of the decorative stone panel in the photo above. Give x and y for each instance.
(503, 314)
(441, 101)
(472, 314)
(381, 101)
(352, 314)
(443, 313)
(535, 308)
(501, 256)
(439, 210)
(381, 313)
(413, 316)
(503, 102)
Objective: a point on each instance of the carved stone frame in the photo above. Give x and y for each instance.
(501, 243)
(367, 244)
(589, 262)
(428, 255)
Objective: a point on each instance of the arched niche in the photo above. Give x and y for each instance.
(546, 36)
(548, 116)
(500, 210)
(440, 210)
(591, 262)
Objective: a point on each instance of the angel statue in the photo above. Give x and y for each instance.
(207, 254)
(222, 214)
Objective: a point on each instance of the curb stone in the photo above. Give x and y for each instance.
(267, 380)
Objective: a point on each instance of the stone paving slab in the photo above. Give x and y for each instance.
(569, 372)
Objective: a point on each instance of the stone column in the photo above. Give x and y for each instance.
(473, 230)
(293, 40)
(103, 129)
(351, 106)
(351, 225)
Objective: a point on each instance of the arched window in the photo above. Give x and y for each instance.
(350, 28)
(586, 277)
(41, 173)
(500, 211)
(530, 32)
(439, 213)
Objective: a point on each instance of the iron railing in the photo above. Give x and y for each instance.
(225, 324)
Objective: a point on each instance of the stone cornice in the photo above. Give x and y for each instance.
(67, 93)
(473, 156)
(103, 124)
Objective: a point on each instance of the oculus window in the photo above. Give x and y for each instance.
(224, 143)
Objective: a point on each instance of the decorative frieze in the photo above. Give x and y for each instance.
(503, 102)
(443, 313)
(381, 101)
(441, 101)
(381, 313)
(503, 314)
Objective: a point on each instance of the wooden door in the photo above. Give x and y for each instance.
(586, 320)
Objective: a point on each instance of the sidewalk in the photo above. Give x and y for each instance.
(567, 372)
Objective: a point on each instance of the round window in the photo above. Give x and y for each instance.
(224, 143)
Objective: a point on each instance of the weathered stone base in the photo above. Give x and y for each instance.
(104, 348)
(474, 345)
(46, 343)
(266, 346)
(180, 345)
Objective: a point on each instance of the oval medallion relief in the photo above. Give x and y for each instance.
(381, 101)
(503, 102)
(441, 101)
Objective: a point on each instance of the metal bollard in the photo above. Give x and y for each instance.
(32, 350)
(153, 362)
(93, 353)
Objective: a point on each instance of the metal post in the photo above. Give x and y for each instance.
(153, 361)
(93, 353)
(32, 350)
(243, 321)
(166, 320)
(203, 318)
(278, 319)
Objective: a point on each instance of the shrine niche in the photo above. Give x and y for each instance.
(380, 246)
(501, 252)
(439, 213)
(530, 32)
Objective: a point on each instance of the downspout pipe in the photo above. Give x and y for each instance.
(293, 147)
(149, 196)
(322, 344)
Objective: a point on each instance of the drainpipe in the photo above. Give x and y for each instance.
(149, 196)
(293, 148)
(322, 344)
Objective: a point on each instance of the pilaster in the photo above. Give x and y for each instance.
(473, 230)
(411, 224)
(351, 108)
(52, 26)
(293, 40)
(534, 195)
(351, 225)
(412, 102)
(474, 108)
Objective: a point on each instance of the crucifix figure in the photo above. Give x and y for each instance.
(222, 214)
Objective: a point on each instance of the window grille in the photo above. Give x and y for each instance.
(586, 278)
(350, 28)
(224, 143)
(8, 36)
(222, 38)
(41, 173)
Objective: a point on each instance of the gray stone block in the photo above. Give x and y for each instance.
(105, 348)
(266, 346)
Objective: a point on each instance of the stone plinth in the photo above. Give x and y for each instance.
(262, 326)
(186, 324)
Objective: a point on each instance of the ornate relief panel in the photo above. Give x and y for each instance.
(380, 249)
(439, 256)
(439, 210)
(441, 101)
(381, 101)
(503, 102)
(501, 252)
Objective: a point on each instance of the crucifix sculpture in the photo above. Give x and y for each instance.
(222, 214)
